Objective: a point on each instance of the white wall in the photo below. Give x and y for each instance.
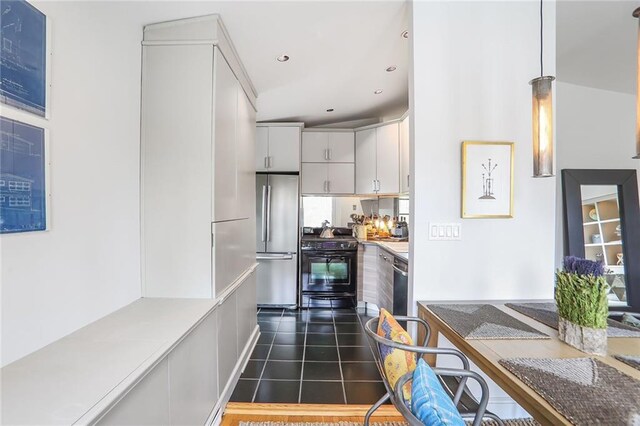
(595, 130)
(88, 264)
(472, 62)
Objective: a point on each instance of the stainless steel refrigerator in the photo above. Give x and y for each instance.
(277, 239)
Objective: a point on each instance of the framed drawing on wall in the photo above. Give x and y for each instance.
(487, 179)
(23, 169)
(23, 57)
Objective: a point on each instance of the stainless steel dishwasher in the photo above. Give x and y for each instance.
(400, 286)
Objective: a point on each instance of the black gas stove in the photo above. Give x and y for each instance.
(329, 266)
(338, 242)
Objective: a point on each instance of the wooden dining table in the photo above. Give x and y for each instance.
(486, 353)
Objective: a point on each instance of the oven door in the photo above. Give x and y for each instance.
(328, 272)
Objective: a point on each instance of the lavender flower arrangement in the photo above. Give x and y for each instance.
(581, 293)
(584, 267)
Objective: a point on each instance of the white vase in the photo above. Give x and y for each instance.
(586, 339)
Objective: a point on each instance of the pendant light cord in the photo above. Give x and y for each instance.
(541, 40)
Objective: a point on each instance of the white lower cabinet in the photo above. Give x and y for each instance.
(246, 312)
(193, 371)
(185, 386)
(227, 339)
(146, 404)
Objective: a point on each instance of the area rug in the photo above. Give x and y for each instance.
(546, 313)
(631, 360)
(484, 322)
(507, 422)
(584, 390)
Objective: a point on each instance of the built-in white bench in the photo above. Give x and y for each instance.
(155, 361)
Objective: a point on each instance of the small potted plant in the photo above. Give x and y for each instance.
(581, 297)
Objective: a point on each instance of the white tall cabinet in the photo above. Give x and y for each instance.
(198, 191)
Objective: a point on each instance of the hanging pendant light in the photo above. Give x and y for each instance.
(542, 117)
(636, 14)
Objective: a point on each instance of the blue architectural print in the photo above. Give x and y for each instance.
(23, 45)
(22, 178)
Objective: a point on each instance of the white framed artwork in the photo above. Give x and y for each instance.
(487, 179)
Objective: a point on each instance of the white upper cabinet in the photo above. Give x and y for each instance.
(388, 158)
(341, 147)
(314, 178)
(404, 156)
(329, 178)
(262, 148)
(340, 178)
(314, 147)
(278, 148)
(328, 147)
(366, 178)
(377, 160)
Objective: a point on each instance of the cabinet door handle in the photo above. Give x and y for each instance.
(266, 162)
(374, 185)
(328, 186)
(270, 162)
(408, 181)
(324, 187)
(329, 154)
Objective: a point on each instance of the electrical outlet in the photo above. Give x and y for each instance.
(445, 231)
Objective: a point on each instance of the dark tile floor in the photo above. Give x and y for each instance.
(316, 356)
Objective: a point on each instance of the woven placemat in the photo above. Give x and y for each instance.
(584, 390)
(507, 422)
(631, 360)
(547, 314)
(480, 321)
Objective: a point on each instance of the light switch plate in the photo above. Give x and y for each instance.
(445, 231)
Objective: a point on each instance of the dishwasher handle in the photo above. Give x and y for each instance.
(400, 271)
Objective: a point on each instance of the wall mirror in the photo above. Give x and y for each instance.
(602, 223)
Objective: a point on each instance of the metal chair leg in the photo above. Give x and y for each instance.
(375, 406)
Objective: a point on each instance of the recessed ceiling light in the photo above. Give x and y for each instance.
(391, 68)
(405, 34)
(377, 92)
(330, 110)
(282, 58)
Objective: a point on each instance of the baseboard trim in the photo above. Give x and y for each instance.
(215, 417)
(247, 408)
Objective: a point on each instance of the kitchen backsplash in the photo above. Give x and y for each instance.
(338, 210)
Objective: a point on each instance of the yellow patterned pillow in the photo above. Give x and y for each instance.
(396, 362)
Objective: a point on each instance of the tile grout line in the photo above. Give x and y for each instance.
(335, 331)
(304, 352)
(255, 392)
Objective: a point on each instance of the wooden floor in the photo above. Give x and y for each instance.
(247, 412)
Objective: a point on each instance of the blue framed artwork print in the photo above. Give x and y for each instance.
(22, 177)
(23, 56)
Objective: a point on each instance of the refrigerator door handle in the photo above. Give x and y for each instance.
(275, 257)
(268, 215)
(264, 216)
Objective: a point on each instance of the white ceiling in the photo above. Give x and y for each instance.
(339, 52)
(596, 44)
